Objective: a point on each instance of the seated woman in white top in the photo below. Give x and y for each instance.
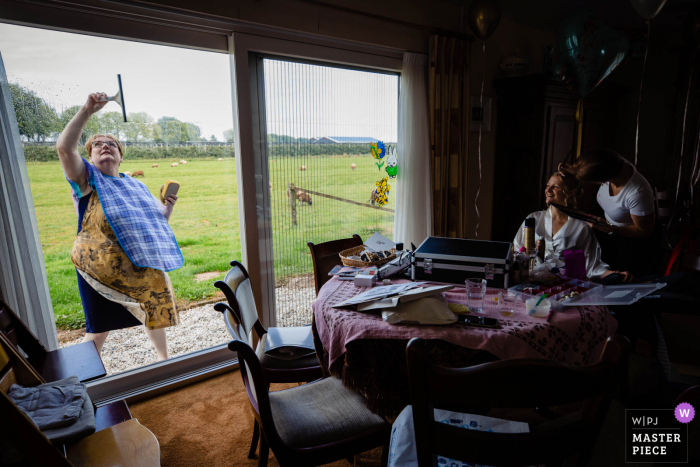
(561, 232)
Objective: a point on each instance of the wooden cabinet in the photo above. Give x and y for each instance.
(535, 131)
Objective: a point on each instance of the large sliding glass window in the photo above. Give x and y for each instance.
(320, 124)
(179, 128)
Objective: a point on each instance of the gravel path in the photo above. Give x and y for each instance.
(199, 329)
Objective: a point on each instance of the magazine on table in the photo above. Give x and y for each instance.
(345, 273)
(393, 291)
(404, 297)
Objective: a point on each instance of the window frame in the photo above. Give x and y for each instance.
(171, 27)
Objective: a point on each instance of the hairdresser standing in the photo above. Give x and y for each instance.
(628, 201)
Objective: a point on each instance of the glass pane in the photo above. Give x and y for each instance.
(321, 122)
(180, 128)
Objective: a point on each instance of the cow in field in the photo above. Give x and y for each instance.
(270, 187)
(353, 166)
(301, 197)
(303, 167)
(373, 197)
(174, 164)
(154, 166)
(138, 173)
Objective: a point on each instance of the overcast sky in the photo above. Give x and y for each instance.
(195, 86)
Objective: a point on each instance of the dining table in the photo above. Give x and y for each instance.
(369, 354)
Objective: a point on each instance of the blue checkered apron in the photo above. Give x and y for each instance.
(143, 233)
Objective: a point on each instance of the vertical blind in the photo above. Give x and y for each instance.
(320, 123)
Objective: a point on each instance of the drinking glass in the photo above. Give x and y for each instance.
(507, 304)
(476, 291)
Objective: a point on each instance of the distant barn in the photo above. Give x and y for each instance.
(342, 140)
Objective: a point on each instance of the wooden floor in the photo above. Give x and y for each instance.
(210, 424)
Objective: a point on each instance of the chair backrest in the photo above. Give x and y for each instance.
(237, 289)
(519, 383)
(18, 334)
(325, 257)
(663, 203)
(16, 428)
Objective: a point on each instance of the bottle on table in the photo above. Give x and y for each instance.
(540, 249)
(529, 242)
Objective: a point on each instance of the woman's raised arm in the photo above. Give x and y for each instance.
(67, 143)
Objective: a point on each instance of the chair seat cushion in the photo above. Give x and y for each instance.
(278, 364)
(274, 363)
(321, 412)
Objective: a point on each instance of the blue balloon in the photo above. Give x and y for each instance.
(590, 49)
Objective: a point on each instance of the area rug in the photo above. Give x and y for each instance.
(210, 424)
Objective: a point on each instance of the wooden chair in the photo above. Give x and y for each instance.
(663, 205)
(314, 424)
(241, 313)
(81, 360)
(325, 256)
(519, 383)
(123, 444)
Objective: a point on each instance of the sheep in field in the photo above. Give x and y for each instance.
(138, 173)
(174, 164)
(154, 166)
(127, 173)
(270, 186)
(303, 167)
(220, 159)
(183, 162)
(353, 166)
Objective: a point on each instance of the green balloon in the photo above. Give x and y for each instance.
(590, 49)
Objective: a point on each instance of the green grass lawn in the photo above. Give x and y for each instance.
(205, 219)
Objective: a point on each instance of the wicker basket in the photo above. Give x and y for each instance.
(356, 250)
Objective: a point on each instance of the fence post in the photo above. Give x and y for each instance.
(292, 198)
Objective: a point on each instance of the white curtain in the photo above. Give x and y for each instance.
(413, 221)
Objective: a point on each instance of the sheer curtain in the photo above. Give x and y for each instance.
(413, 221)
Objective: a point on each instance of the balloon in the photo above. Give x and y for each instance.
(590, 49)
(483, 17)
(691, 27)
(648, 8)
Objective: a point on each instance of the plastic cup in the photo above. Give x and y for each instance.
(538, 311)
(507, 304)
(476, 291)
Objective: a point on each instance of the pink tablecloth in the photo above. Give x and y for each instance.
(575, 335)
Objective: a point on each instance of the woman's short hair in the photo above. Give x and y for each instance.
(571, 188)
(598, 165)
(88, 143)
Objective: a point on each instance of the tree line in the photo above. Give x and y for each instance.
(39, 121)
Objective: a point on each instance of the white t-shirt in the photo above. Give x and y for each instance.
(635, 198)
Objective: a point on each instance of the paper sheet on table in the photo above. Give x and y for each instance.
(376, 293)
(404, 297)
(378, 242)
